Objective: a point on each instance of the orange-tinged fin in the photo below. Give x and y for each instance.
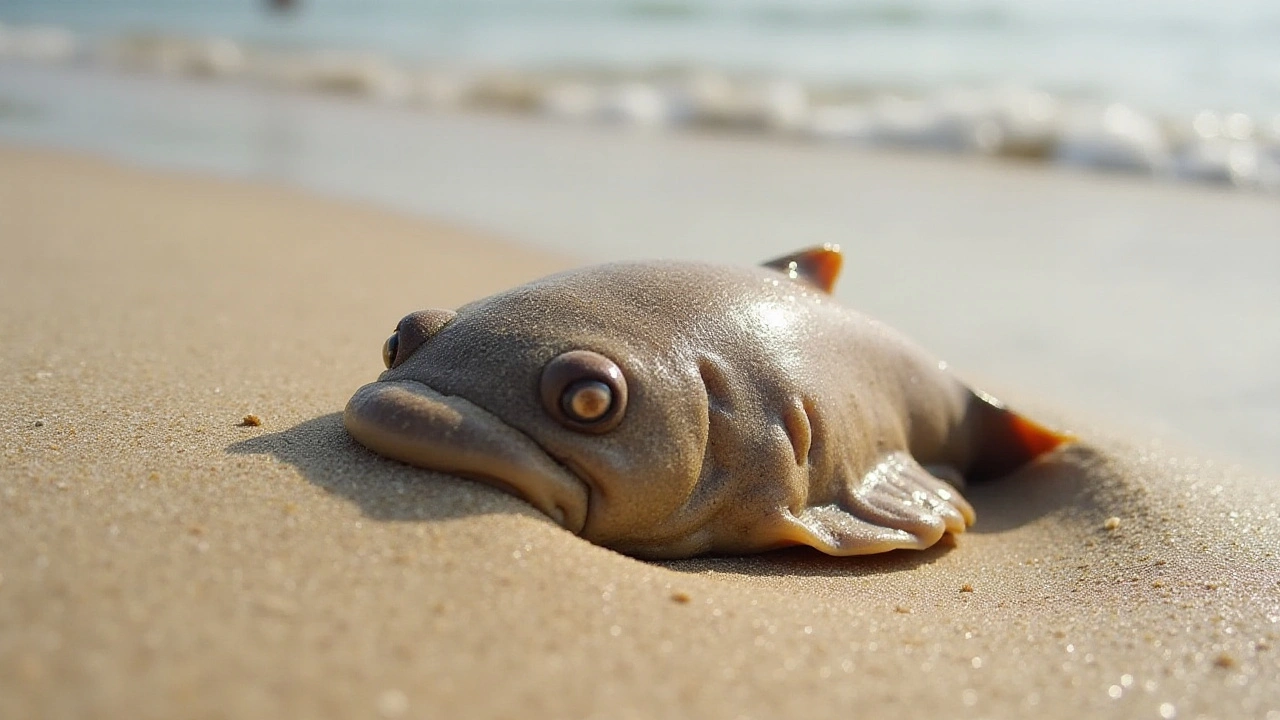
(1003, 440)
(817, 266)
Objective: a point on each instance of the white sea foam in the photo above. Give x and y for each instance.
(638, 104)
(1224, 148)
(1116, 138)
(712, 100)
(1221, 161)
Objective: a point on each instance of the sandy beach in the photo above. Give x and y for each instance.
(158, 558)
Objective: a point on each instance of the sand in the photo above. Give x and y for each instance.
(160, 558)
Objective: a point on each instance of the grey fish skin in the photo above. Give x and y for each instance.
(741, 409)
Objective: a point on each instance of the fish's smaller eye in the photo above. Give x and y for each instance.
(389, 349)
(584, 391)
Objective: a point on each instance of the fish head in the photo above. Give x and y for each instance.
(566, 392)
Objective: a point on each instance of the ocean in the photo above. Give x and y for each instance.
(1169, 57)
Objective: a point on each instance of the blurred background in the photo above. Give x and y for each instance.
(1180, 89)
(1074, 202)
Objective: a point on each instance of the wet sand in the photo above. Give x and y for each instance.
(160, 559)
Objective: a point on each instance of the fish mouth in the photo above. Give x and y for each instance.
(411, 422)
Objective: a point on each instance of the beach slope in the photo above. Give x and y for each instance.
(160, 557)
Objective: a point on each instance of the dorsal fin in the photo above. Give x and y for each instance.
(817, 266)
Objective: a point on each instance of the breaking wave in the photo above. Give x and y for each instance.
(1028, 124)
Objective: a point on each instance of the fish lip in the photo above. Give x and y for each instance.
(412, 422)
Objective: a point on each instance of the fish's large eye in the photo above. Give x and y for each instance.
(584, 391)
(389, 349)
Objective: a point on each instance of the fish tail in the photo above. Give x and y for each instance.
(1003, 440)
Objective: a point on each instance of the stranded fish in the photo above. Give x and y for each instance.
(669, 409)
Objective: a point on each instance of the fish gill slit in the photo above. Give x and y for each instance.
(798, 424)
(712, 476)
(716, 386)
(816, 435)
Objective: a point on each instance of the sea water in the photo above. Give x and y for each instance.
(1170, 88)
(1174, 56)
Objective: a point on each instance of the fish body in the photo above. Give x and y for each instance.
(669, 409)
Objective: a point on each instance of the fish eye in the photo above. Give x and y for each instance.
(389, 349)
(587, 400)
(584, 391)
(411, 332)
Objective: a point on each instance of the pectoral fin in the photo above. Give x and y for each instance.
(898, 505)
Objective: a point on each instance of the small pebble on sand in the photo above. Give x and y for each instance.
(1112, 523)
(680, 597)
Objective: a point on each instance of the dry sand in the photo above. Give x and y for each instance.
(158, 559)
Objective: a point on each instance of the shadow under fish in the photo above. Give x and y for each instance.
(385, 490)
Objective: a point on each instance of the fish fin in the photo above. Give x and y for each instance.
(897, 505)
(1003, 440)
(817, 266)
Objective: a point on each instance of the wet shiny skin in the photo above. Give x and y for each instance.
(670, 409)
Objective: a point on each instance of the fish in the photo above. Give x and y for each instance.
(670, 409)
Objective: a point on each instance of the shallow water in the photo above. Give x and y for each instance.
(1164, 56)
(1177, 92)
